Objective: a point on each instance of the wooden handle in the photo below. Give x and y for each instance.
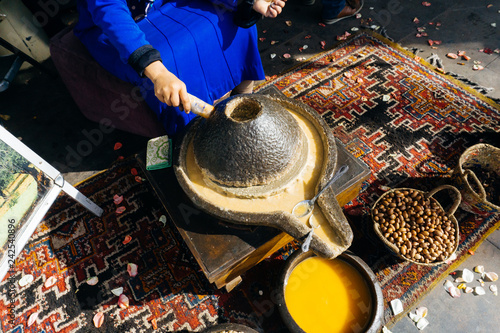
(200, 107)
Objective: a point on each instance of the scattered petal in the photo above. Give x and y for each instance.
(494, 25)
(163, 219)
(132, 269)
(465, 57)
(477, 68)
(462, 285)
(32, 318)
(272, 55)
(396, 306)
(386, 98)
(459, 280)
(354, 29)
(323, 43)
(358, 15)
(321, 24)
(154, 324)
(481, 282)
(98, 319)
(461, 53)
(274, 42)
(426, 3)
(286, 55)
(451, 258)
(479, 269)
(479, 291)
(120, 158)
(416, 20)
(117, 291)
(494, 289)
(305, 47)
(308, 37)
(490, 277)
(50, 282)
(120, 209)
(5, 117)
(437, 42)
(452, 55)
(25, 280)
(431, 42)
(117, 199)
(123, 301)
(134, 172)
(288, 23)
(422, 323)
(92, 281)
(471, 252)
(138, 179)
(468, 290)
(117, 146)
(127, 239)
(262, 39)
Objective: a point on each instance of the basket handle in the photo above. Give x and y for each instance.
(482, 192)
(457, 201)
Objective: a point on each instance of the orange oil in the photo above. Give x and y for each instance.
(331, 296)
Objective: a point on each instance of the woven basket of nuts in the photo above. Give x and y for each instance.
(415, 227)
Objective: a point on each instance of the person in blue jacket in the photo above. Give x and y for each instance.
(170, 48)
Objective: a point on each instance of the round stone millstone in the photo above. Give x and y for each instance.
(249, 140)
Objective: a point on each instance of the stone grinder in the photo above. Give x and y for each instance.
(254, 157)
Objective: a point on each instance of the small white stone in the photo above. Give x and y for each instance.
(25, 280)
(422, 323)
(396, 306)
(479, 291)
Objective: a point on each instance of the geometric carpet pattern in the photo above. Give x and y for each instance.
(407, 122)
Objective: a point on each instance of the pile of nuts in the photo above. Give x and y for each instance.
(417, 226)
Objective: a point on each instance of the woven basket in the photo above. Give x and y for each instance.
(487, 157)
(427, 195)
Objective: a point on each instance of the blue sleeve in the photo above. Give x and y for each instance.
(116, 22)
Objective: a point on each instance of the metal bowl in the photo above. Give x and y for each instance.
(376, 321)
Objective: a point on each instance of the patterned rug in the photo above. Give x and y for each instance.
(406, 121)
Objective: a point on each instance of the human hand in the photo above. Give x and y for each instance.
(269, 8)
(168, 88)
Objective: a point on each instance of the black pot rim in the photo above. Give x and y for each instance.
(298, 256)
(229, 326)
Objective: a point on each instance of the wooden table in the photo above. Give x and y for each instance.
(223, 250)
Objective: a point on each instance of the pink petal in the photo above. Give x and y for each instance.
(123, 301)
(92, 281)
(127, 239)
(120, 210)
(117, 199)
(132, 269)
(32, 318)
(286, 55)
(50, 282)
(98, 319)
